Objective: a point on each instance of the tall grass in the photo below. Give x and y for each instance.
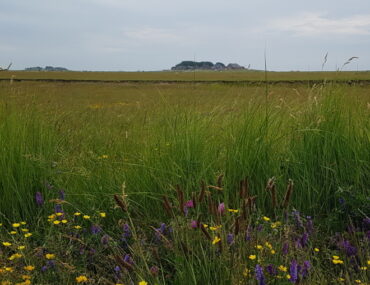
(157, 139)
(27, 149)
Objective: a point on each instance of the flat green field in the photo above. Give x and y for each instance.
(189, 76)
(177, 156)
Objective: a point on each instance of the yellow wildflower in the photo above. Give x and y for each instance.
(64, 221)
(104, 156)
(275, 225)
(252, 257)
(77, 227)
(23, 223)
(27, 235)
(15, 256)
(25, 230)
(288, 276)
(13, 232)
(102, 214)
(9, 269)
(358, 281)
(267, 219)
(216, 240)
(368, 262)
(77, 214)
(86, 217)
(283, 268)
(59, 214)
(335, 257)
(143, 283)
(6, 282)
(273, 251)
(1, 224)
(215, 228)
(340, 279)
(233, 211)
(21, 247)
(316, 249)
(16, 225)
(25, 277)
(81, 279)
(56, 222)
(259, 247)
(26, 282)
(51, 216)
(5, 243)
(337, 261)
(363, 268)
(267, 244)
(246, 272)
(49, 256)
(29, 268)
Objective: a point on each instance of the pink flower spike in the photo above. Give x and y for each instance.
(221, 208)
(189, 204)
(194, 224)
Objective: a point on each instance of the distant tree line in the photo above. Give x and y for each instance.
(206, 65)
(46, 68)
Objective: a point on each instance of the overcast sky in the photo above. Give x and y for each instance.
(157, 34)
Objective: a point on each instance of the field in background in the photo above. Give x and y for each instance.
(80, 143)
(189, 76)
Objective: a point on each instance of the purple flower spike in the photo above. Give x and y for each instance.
(154, 270)
(39, 199)
(189, 204)
(297, 217)
(306, 268)
(304, 239)
(285, 248)
(193, 224)
(259, 275)
(349, 249)
(162, 228)
(117, 271)
(105, 239)
(221, 208)
(160, 231)
(126, 231)
(309, 225)
(95, 229)
(230, 239)
(62, 194)
(271, 269)
(128, 259)
(293, 271)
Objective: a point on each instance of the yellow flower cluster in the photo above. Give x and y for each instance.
(81, 279)
(216, 240)
(336, 260)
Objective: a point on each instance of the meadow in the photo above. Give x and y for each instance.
(184, 183)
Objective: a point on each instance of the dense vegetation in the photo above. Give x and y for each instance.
(189, 165)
